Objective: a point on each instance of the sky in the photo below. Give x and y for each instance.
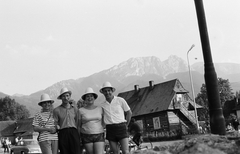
(47, 41)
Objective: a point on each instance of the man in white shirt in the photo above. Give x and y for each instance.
(115, 111)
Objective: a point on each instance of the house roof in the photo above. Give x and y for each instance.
(197, 105)
(24, 126)
(149, 100)
(7, 128)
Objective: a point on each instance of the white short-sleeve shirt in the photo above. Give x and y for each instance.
(114, 111)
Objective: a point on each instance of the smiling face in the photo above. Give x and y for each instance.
(46, 106)
(108, 93)
(89, 99)
(65, 98)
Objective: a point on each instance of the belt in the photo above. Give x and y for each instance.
(118, 124)
(66, 128)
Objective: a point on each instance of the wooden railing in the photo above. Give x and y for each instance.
(188, 114)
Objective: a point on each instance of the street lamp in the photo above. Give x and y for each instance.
(217, 121)
(193, 94)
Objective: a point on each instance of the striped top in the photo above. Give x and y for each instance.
(40, 119)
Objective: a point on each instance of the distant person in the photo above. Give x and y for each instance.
(16, 140)
(20, 140)
(43, 123)
(91, 122)
(117, 115)
(235, 124)
(135, 130)
(229, 127)
(66, 121)
(200, 128)
(2, 143)
(6, 144)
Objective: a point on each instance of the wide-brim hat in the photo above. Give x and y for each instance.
(63, 91)
(89, 90)
(45, 98)
(107, 85)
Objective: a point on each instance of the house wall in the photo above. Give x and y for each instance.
(156, 124)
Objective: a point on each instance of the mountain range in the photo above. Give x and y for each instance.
(134, 71)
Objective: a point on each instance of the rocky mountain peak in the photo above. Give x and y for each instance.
(133, 71)
(147, 65)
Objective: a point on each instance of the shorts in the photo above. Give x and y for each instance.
(116, 132)
(92, 138)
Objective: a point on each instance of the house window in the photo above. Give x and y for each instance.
(179, 98)
(156, 123)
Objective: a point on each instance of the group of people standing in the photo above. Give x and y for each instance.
(6, 143)
(66, 127)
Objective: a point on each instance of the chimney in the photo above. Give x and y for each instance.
(136, 87)
(151, 84)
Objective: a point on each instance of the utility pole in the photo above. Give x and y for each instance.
(217, 121)
(193, 93)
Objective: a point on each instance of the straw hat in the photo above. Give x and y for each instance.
(107, 85)
(45, 98)
(63, 91)
(89, 90)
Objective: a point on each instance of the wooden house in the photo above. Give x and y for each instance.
(21, 128)
(6, 129)
(162, 109)
(24, 129)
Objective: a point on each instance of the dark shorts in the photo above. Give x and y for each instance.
(92, 138)
(116, 132)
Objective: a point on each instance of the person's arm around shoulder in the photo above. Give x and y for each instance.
(56, 119)
(79, 121)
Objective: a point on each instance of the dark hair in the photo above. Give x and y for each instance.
(133, 120)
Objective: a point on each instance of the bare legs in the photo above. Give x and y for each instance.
(94, 148)
(115, 146)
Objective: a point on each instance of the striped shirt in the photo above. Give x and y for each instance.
(42, 120)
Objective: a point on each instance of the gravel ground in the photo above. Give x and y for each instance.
(198, 144)
(194, 144)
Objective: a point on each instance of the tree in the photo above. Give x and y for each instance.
(11, 110)
(225, 93)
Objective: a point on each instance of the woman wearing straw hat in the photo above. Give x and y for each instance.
(43, 123)
(91, 124)
(66, 120)
(115, 109)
